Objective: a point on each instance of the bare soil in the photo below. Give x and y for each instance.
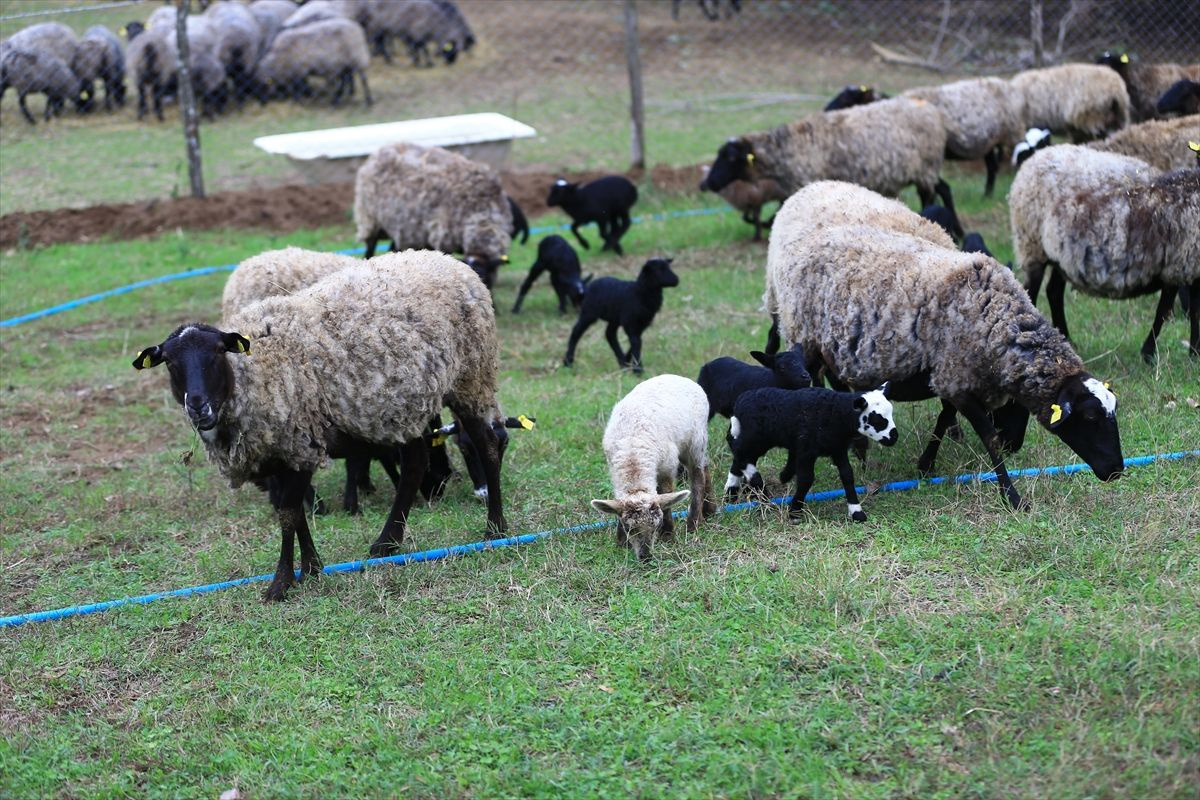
(278, 209)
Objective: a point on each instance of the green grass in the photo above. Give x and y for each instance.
(949, 647)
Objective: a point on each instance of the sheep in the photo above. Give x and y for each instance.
(99, 57)
(558, 258)
(605, 201)
(1145, 83)
(1085, 101)
(808, 423)
(270, 16)
(973, 243)
(749, 197)
(983, 118)
(239, 41)
(884, 146)
(1035, 139)
(419, 23)
(30, 71)
(941, 216)
(311, 389)
(629, 305)
(1112, 226)
(52, 38)
(725, 379)
(332, 49)
(520, 225)
(153, 60)
(315, 11)
(873, 305)
(654, 431)
(856, 95)
(430, 197)
(1183, 97)
(1161, 143)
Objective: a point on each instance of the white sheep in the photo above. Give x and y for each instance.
(660, 426)
(278, 272)
(1111, 226)
(1085, 101)
(354, 365)
(1161, 143)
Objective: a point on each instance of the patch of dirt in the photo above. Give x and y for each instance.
(279, 209)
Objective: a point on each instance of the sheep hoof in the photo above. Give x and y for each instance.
(757, 483)
(320, 509)
(710, 508)
(731, 494)
(1149, 356)
(277, 591)
(859, 516)
(382, 548)
(796, 516)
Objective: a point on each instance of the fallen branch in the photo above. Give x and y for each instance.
(893, 57)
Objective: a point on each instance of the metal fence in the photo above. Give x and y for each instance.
(709, 67)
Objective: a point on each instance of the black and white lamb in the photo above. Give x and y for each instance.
(656, 430)
(1111, 226)
(808, 423)
(626, 305)
(605, 201)
(558, 258)
(310, 390)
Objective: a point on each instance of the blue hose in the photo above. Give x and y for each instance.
(475, 547)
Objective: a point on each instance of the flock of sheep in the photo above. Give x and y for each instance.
(323, 356)
(264, 49)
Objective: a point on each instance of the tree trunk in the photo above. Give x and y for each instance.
(636, 111)
(187, 99)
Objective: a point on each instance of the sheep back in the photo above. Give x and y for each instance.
(278, 272)
(1085, 99)
(1161, 143)
(325, 47)
(979, 114)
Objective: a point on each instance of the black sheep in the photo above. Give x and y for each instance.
(854, 96)
(558, 258)
(630, 305)
(605, 201)
(973, 243)
(725, 379)
(808, 423)
(1183, 97)
(946, 218)
(520, 225)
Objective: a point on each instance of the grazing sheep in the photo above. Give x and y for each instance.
(605, 201)
(808, 423)
(99, 57)
(1147, 82)
(749, 197)
(873, 305)
(1085, 101)
(852, 96)
(315, 11)
(1161, 143)
(52, 38)
(332, 49)
(520, 226)
(153, 59)
(558, 258)
(428, 197)
(1182, 98)
(658, 428)
(884, 146)
(270, 16)
(1035, 139)
(628, 305)
(32, 71)
(419, 23)
(239, 45)
(725, 379)
(311, 389)
(1112, 226)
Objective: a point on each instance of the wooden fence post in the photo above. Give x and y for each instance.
(636, 109)
(187, 100)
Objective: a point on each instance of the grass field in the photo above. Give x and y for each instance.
(949, 647)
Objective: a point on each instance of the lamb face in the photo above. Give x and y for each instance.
(876, 420)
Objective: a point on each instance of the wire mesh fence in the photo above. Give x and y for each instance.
(106, 74)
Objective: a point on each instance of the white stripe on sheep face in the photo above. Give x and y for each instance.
(876, 421)
(1107, 399)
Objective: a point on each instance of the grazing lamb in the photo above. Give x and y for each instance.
(884, 146)
(605, 201)
(749, 197)
(852, 96)
(428, 197)
(558, 258)
(628, 305)
(1182, 98)
(310, 391)
(656, 429)
(873, 305)
(1111, 226)
(1161, 143)
(1085, 101)
(808, 423)
(520, 226)
(332, 49)
(100, 57)
(1147, 82)
(725, 379)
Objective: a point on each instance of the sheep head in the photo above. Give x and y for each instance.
(201, 378)
(640, 518)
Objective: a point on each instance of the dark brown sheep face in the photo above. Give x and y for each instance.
(732, 164)
(1085, 418)
(201, 378)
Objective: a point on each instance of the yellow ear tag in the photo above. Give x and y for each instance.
(243, 347)
(438, 440)
(1194, 147)
(526, 422)
(1056, 414)
(503, 259)
(749, 158)
(146, 362)
(1124, 58)
(862, 88)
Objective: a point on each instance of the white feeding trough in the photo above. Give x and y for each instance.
(335, 154)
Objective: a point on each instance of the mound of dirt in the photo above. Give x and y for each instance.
(281, 209)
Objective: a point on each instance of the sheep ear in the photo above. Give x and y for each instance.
(766, 360)
(235, 343)
(150, 357)
(665, 501)
(886, 389)
(607, 506)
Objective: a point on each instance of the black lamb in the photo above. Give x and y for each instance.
(605, 201)
(630, 305)
(520, 224)
(725, 379)
(1183, 97)
(808, 423)
(854, 96)
(558, 258)
(946, 218)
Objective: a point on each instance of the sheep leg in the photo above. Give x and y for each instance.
(293, 524)
(616, 230)
(582, 242)
(773, 342)
(842, 462)
(667, 529)
(487, 444)
(358, 475)
(944, 422)
(610, 333)
(756, 221)
(1054, 293)
(635, 351)
(698, 479)
(373, 242)
(991, 160)
(413, 460)
(24, 109)
(943, 190)
(805, 475)
(535, 272)
(362, 77)
(141, 108)
(981, 421)
(581, 325)
(1194, 318)
(1166, 301)
(1033, 279)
